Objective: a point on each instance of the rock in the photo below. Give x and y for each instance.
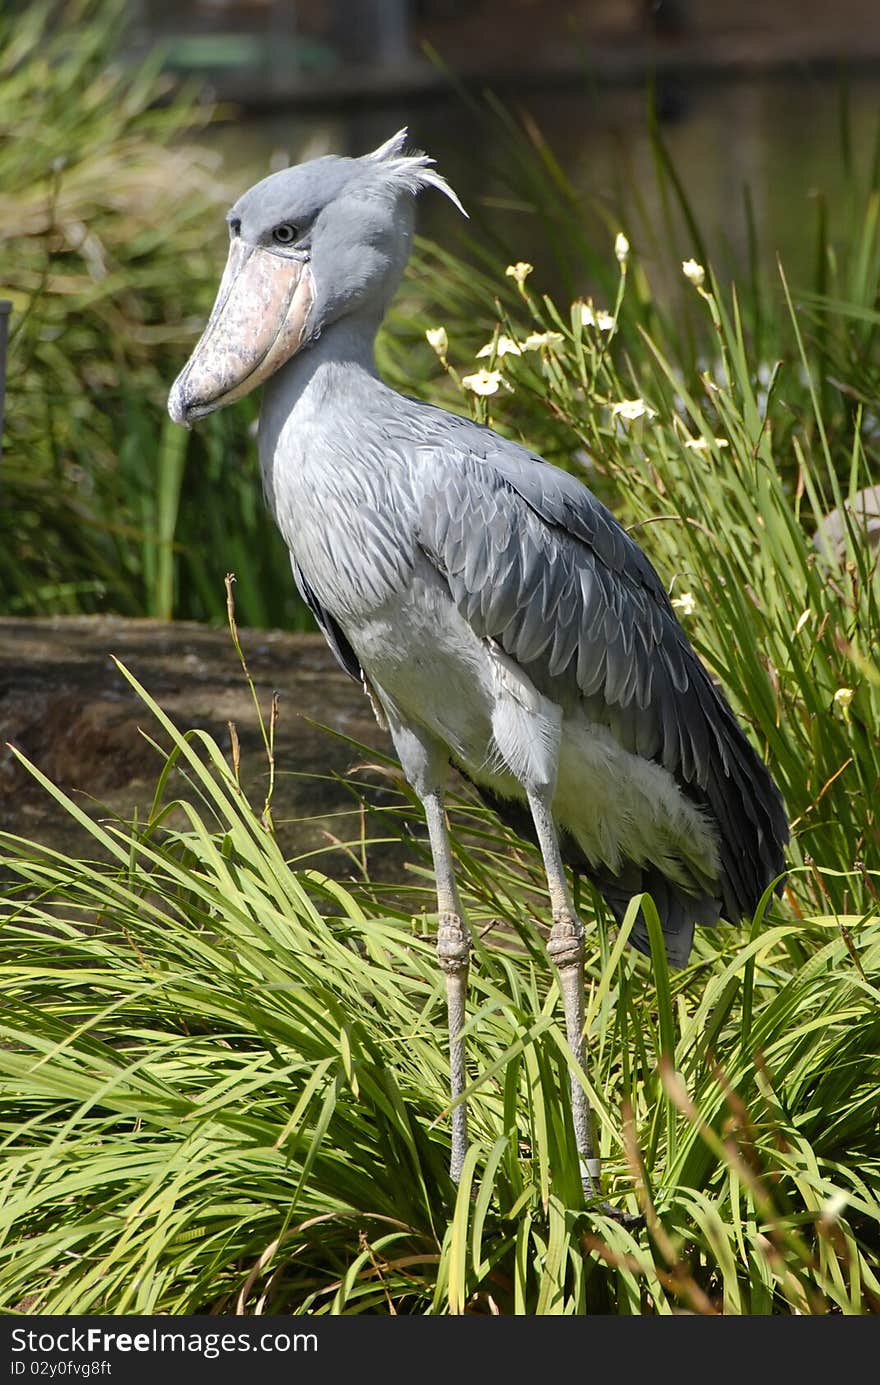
(862, 516)
(67, 707)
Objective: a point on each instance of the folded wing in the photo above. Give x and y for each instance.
(535, 562)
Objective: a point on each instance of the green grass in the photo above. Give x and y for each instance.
(112, 238)
(225, 1087)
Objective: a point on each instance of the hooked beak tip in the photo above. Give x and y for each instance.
(177, 407)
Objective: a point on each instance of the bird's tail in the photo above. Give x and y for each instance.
(678, 911)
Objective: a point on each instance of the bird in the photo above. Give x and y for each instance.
(500, 618)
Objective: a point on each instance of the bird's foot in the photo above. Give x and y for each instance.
(453, 943)
(631, 1220)
(593, 1195)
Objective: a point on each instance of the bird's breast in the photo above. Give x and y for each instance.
(426, 661)
(347, 518)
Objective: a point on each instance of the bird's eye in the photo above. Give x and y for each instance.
(285, 234)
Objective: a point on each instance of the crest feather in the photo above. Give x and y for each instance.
(413, 171)
(391, 148)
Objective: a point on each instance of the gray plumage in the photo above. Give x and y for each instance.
(499, 615)
(534, 562)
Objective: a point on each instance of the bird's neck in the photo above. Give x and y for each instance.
(343, 351)
(315, 395)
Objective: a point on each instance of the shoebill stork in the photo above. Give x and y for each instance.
(499, 616)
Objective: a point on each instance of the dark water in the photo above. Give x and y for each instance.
(778, 135)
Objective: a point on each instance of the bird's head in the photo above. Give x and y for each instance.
(308, 246)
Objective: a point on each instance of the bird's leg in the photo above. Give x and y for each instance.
(453, 954)
(425, 762)
(566, 948)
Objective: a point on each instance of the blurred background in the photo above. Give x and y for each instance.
(749, 93)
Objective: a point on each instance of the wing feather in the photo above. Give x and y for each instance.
(330, 628)
(535, 562)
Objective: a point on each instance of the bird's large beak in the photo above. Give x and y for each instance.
(258, 321)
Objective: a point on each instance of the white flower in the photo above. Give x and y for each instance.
(596, 317)
(686, 603)
(540, 341)
(483, 382)
(842, 700)
(519, 271)
(631, 409)
(437, 338)
(621, 247)
(504, 346)
(802, 620)
(702, 444)
(693, 272)
(833, 1206)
